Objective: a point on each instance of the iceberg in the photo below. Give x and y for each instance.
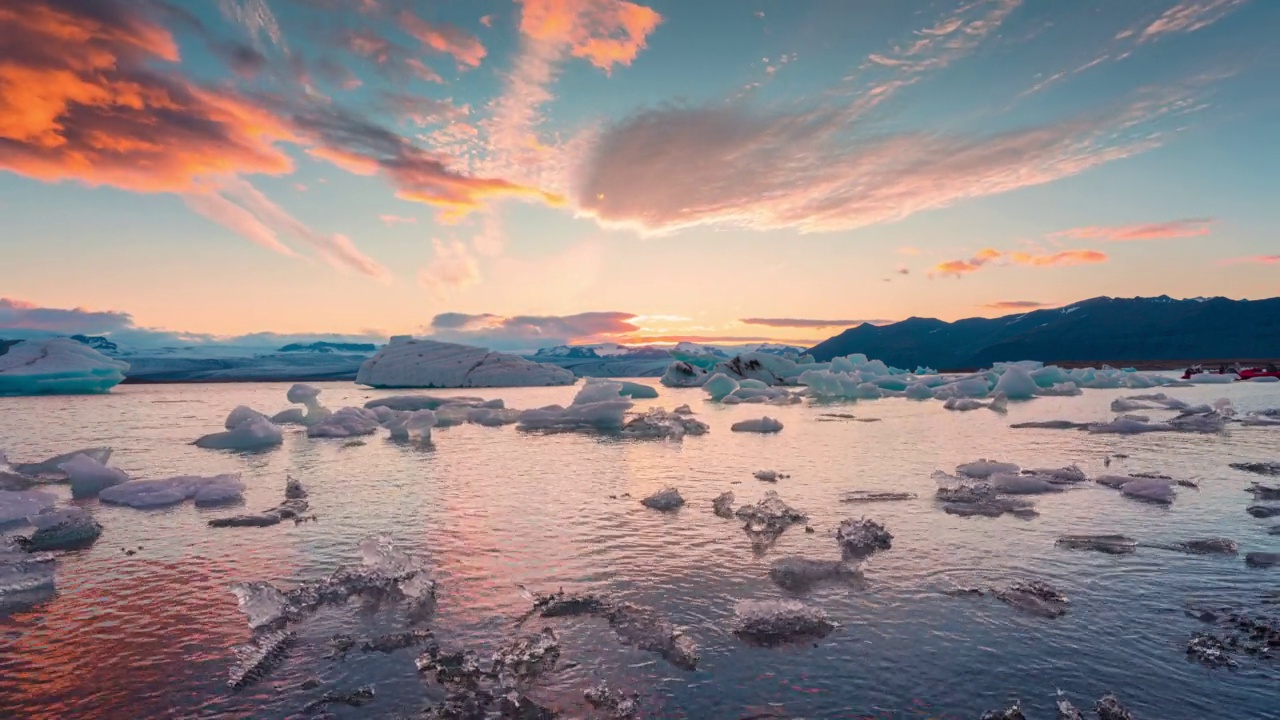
(1016, 383)
(406, 362)
(141, 494)
(765, 424)
(52, 468)
(89, 477)
(681, 374)
(254, 432)
(57, 366)
(345, 423)
(719, 386)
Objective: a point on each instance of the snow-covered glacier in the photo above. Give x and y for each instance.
(57, 366)
(407, 362)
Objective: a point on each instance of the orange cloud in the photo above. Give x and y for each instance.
(603, 32)
(1190, 227)
(79, 100)
(464, 47)
(959, 268)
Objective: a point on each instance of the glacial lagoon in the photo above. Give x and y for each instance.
(142, 623)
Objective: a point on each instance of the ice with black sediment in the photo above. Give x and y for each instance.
(777, 622)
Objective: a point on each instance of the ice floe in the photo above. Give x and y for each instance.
(407, 362)
(88, 476)
(57, 366)
(762, 425)
(777, 622)
(205, 491)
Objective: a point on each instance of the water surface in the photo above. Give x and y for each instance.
(149, 634)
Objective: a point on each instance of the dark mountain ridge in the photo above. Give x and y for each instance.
(1102, 328)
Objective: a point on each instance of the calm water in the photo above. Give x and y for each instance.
(149, 635)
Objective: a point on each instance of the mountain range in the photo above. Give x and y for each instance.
(1101, 329)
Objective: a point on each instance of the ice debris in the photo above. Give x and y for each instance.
(765, 424)
(999, 403)
(353, 698)
(635, 625)
(769, 475)
(57, 366)
(767, 519)
(667, 499)
(1262, 559)
(345, 423)
(722, 504)
(870, 496)
(293, 507)
(414, 426)
(799, 574)
(252, 433)
(1263, 492)
(986, 468)
(1258, 511)
(24, 577)
(776, 622)
(523, 660)
(1110, 544)
(406, 362)
(860, 538)
(1260, 468)
(1036, 597)
(62, 529)
(657, 423)
(1013, 712)
(615, 704)
(683, 375)
(89, 477)
(257, 658)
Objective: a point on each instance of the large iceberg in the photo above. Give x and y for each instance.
(406, 362)
(57, 366)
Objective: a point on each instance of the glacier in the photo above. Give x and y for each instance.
(57, 366)
(407, 362)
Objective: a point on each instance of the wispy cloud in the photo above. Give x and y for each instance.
(1251, 260)
(807, 322)
(241, 208)
(465, 48)
(393, 220)
(1188, 16)
(1190, 227)
(988, 256)
(1016, 305)
(832, 167)
(452, 268)
(256, 18)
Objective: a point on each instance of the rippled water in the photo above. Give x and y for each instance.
(149, 634)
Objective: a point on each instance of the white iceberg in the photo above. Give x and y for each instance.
(345, 423)
(89, 477)
(58, 366)
(216, 489)
(765, 424)
(406, 362)
(253, 433)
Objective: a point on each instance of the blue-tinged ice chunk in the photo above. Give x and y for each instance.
(58, 366)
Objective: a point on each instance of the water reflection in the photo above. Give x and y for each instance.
(491, 509)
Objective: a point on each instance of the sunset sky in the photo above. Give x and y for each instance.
(541, 171)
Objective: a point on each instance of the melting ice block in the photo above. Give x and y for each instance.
(252, 433)
(406, 362)
(89, 477)
(58, 366)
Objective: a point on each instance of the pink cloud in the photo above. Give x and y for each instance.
(1016, 305)
(960, 268)
(453, 267)
(1189, 16)
(1191, 227)
(422, 72)
(393, 220)
(463, 46)
(1252, 260)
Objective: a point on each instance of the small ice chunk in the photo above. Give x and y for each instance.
(347, 422)
(636, 391)
(603, 415)
(1110, 544)
(1063, 475)
(16, 505)
(1149, 489)
(719, 386)
(380, 555)
(799, 574)
(657, 423)
(261, 602)
(302, 394)
(415, 426)
(292, 416)
(859, 538)
(89, 477)
(765, 424)
(667, 498)
(65, 528)
(722, 504)
(253, 433)
(24, 577)
(1262, 559)
(1036, 597)
(775, 622)
(769, 475)
(984, 468)
(683, 410)
(1016, 383)
(51, 467)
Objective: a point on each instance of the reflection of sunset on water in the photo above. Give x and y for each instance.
(490, 510)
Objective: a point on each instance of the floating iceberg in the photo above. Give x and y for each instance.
(69, 527)
(765, 424)
(213, 490)
(245, 432)
(1016, 383)
(415, 426)
(345, 423)
(681, 374)
(52, 468)
(58, 366)
(406, 362)
(775, 622)
(986, 468)
(89, 477)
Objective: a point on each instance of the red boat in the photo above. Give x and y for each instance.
(1244, 374)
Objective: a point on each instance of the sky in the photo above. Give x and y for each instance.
(520, 173)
